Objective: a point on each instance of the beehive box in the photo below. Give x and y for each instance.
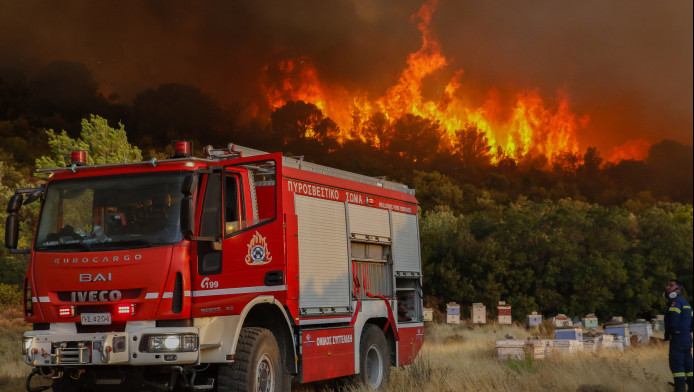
(428, 314)
(617, 342)
(549, 345)
(659, 322)
(504, 312)
(533, 320)
(571, 333)
(590, 321)
(619, 329)
(452, 313)
(453, 318)
(567, 346)
(535, 348)
(605, 340)
(590, 344)
(642, 330)
(561, 320)
(479, 313)
(518, 348)
(510, 348)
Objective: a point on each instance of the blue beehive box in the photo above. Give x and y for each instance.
(568, 333)
(619, 329)
(452, 308)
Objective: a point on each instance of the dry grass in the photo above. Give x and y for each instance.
(461, 358)
(13, 371)
(457, 358)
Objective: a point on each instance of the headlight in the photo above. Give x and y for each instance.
(171, 343)
(26, 343)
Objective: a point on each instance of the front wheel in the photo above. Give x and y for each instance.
(374, 358)
(257, 366)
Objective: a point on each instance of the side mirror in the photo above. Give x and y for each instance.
(15, 203)
(12, 230)
(12, 221)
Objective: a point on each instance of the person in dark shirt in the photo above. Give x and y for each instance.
(678, 331)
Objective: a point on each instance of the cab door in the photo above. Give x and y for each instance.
(240, 207)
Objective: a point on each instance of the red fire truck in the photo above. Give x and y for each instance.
(240, 271)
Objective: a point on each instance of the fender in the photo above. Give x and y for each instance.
(219, 335)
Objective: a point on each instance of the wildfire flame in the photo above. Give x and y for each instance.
(534, 126)
(633, 149)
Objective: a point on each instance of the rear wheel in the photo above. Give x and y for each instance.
(257, 366)
(374, 358)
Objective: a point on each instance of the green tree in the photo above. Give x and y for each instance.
(102, 143)
(436, 191)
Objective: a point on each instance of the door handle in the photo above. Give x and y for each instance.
(274, 278)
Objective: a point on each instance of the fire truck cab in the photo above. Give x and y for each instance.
(240, 271)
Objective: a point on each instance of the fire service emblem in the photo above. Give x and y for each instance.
(258, 254)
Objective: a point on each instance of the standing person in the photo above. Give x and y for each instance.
(678, 331)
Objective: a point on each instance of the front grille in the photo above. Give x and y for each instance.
(117, 326)
(66, 296)
(72, 356)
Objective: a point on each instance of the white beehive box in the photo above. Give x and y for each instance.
(428, 314)
(536, 348)
(518, 348)
(605, 340)
(453, 318)
(590, 344)
(533, 320)
(611, 341)
(567, 346)
(510, 348)
(479, 313)
(561, 320)
(549, 345)
(643, 331)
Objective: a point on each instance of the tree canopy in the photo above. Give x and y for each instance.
(103, 144)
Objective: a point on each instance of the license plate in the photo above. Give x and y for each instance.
(96, 318)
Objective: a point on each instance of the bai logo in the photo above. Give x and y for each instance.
(98, 278)
(258, 254)
(209, 284)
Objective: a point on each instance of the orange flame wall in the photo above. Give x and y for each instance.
(533, 127)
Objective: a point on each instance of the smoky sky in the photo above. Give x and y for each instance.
(627, 64)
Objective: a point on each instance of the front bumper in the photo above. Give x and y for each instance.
(50, 348)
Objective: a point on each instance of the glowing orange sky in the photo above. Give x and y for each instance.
(617, 74)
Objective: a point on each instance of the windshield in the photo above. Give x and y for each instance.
(111, 212)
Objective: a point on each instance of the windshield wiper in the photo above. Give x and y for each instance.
(74, 246)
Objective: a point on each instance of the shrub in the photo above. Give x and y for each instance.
(10, 294)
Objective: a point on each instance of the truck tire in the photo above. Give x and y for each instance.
(257, 366)
(374, 358)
